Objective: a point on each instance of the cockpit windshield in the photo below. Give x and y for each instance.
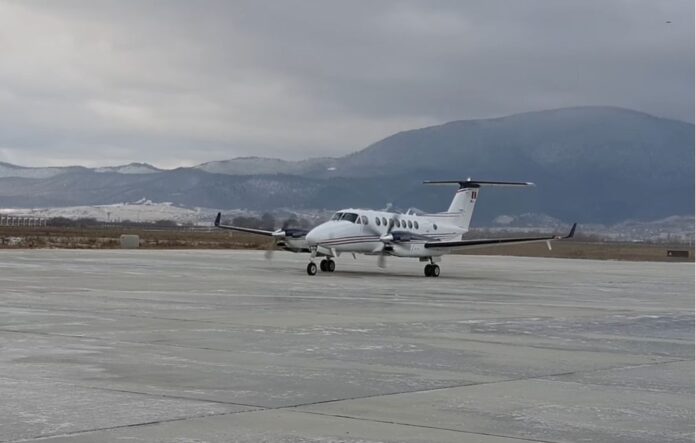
(349, 216)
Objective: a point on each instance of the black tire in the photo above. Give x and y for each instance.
(323, 266)
(434, 271)
(312, 268)
(428, 271)
(330, 265)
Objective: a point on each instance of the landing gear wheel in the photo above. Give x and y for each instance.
(312, 268)
(323, 266)
(432, 270)
(330, 265)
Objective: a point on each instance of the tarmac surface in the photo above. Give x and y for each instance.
(224, 346)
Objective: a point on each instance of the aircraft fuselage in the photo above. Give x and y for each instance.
(362, 231)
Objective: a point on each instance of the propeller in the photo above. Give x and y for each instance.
(386, 239)
(278, 235)
(281, 234)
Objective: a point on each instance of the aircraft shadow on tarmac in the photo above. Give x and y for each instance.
(377, 273)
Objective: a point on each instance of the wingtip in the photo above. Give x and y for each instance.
(572, 231)
(217, 219)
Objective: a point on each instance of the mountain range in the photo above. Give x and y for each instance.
(590, 164)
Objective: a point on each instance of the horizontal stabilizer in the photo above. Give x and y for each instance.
(469, 183)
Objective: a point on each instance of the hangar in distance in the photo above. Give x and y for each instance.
(426, 237)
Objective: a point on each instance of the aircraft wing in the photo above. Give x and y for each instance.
(477, 243)
(241, 229)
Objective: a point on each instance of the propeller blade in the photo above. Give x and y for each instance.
(268, 255)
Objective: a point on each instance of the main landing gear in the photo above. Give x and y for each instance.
(432, 270)
(326, 265)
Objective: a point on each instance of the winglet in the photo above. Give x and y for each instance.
(572, 231)
(217, 219)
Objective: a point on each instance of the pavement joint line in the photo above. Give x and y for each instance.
(259, 409)
(413, 425)
(203, 348)
(483, 383)
(130, 425)
(320, 297)
(461, 385)
(622, 387)
(222, 414)
(127, 391)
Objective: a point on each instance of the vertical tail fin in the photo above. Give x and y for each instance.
(463, 204)
(464, 200)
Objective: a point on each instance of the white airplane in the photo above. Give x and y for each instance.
(362, 231)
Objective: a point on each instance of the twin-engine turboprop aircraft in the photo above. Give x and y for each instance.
(427, 237)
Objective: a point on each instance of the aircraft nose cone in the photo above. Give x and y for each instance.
(317, 235)
(313, 237)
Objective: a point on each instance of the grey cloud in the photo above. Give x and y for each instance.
(177, 82)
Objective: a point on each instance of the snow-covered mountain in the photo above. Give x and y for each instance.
(261, 165)
(131, 168)
(10, 170)
(590, 164)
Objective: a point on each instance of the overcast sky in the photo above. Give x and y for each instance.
(178, 83)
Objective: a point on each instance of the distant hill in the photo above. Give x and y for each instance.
(261, 166)
(10, 170)
(590, 164)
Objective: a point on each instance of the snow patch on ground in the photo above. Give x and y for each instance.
(142, 211)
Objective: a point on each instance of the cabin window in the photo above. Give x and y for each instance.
(435, 227)
(410, 224)
(337, 216)
(384, 221)
(349, 216)
(415, 224)
(377, 222)
(364, 219)
(358, 221)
